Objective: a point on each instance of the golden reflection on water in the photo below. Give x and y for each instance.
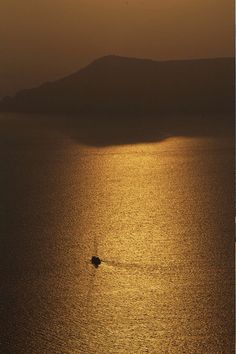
(155, 219)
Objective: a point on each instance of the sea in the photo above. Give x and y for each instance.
(160, 216)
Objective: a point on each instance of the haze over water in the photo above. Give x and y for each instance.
(161, 217)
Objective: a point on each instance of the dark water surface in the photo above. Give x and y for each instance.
(160, 216)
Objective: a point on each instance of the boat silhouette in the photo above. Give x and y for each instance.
(96, 261)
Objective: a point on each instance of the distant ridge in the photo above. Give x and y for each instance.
(120, 85)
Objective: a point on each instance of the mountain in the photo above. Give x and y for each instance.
(114, 84)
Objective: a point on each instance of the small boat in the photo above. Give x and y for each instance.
(96, 261)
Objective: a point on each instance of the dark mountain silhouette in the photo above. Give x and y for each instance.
(117, 85)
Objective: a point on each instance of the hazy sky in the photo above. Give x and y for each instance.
(45, 39)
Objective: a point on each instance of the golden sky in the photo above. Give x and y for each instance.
(45, 39)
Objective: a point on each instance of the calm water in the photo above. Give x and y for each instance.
(160, 215)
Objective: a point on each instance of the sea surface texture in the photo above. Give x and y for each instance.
(159, 215)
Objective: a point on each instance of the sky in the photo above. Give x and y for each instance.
(43, 40)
